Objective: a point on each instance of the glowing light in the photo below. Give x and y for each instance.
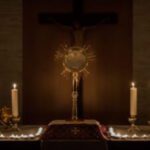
(111, 131)
(39, 132)
(132, 84)
(134, 136)
(126, 135)
(1, 136)
(144, 136)
(31, 135)
(14, 85)
(22, 136)
(118, 135)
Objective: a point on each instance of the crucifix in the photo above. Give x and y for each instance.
(77, 22)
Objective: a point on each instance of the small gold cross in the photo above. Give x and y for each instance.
(75, 130)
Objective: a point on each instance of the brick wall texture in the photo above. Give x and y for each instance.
(141, 56)
(10, 48)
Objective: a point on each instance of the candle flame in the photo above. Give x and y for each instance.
(133, 84)
(14, 85)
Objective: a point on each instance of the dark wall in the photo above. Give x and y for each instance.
(46, 94)
(141, 55)
(10, 49)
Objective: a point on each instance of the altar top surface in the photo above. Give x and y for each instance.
(126, 133)
(60, 122)
(110, 132)
(23, 133)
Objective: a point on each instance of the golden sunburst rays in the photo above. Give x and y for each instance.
(61, 53)
(75, 59)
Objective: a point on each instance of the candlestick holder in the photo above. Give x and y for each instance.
(133, 128)
(15, 121)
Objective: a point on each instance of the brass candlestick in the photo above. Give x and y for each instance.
(133, 128)
(75, 60)
(15, 121)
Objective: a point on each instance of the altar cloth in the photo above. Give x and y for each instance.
(73, 135)
(72, 130)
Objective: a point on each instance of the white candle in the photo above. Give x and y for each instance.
(14, 96)
(133, 100)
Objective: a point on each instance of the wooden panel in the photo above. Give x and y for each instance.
(47, 95)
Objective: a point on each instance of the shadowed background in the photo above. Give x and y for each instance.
(27, 50)
(46, 94)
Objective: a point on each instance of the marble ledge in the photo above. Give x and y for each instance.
(23, 133)
(126, 133)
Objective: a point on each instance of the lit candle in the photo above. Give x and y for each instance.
(14, 96)
(133, 100)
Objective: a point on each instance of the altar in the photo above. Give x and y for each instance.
(108, 138)
(74, 75)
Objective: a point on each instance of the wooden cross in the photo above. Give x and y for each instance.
(78, 21)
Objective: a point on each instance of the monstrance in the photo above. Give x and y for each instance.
(75, 61)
